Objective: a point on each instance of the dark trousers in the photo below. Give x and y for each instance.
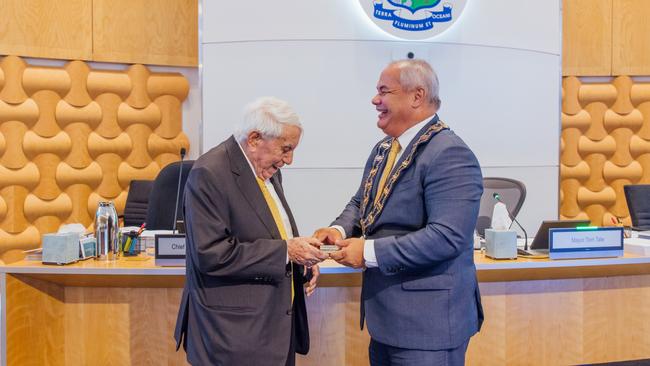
(385, 355)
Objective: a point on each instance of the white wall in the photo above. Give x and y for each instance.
(499, 70)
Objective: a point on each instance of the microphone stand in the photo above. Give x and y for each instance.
(178, 190)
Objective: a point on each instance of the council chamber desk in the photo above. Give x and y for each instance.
(123, 313)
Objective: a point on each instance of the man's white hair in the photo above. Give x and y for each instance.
(418, 73)
(267, 115)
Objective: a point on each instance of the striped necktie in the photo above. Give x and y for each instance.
(275, 212)
(390, 162)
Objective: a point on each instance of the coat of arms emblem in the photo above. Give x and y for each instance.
(413, 19)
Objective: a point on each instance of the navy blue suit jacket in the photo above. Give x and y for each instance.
(424, 294)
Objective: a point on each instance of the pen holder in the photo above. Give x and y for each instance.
(130, 243)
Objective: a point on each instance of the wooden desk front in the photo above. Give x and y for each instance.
(123, 313)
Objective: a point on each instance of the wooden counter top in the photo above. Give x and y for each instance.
(144, 271)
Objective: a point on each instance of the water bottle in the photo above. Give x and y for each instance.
(106, 232)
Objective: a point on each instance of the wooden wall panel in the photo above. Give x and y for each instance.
(605, 145)
(46, 28)
(71, 136)
(587, 37)
(139, 31)
(631, 36)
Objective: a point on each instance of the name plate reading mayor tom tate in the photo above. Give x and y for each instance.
(586, 242)
(170, 250)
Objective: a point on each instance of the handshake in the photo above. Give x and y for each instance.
(326, 243)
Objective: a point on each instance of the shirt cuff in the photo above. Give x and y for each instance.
(369, 254)
(340, 229)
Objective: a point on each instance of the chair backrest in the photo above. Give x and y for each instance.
(137, 200)
(160, 213)
(638, 202)
(512, 193)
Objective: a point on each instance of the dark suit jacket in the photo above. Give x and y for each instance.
(424, 294)
(236, 306)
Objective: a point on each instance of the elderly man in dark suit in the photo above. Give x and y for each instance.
(410, 225)
(243, 301)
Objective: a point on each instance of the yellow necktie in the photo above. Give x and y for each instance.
(275, 212)
(392, 154)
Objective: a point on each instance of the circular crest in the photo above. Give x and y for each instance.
(413, 19)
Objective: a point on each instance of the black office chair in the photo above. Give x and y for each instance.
(638, 202)
(512, 193)
(135, 208)
(160, 213)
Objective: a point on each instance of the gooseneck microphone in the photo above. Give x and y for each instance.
(497, 197)
(178, 190)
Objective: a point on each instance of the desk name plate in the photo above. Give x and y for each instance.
(585, 242)
(170, 250)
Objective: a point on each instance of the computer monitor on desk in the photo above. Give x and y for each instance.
(541, 238)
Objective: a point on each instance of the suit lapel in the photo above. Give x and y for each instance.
(408, 148)
(250, 189)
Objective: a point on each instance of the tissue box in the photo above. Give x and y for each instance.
(60, 248)
(501, 244)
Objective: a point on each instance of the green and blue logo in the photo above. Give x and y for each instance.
(413, 19)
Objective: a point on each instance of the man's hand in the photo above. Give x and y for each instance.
(304, 250)
(351, 253)
(310, 286)
(327, 235)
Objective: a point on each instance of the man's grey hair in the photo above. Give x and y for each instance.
(418, 73)
(267, 115)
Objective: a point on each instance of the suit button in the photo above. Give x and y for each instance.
(288, 274)
(289, 312)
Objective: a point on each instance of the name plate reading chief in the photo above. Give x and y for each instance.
(585, 242)
(170, 250)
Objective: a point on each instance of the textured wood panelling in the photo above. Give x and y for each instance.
(335, 336)
(139, 31)
(46, 28)
(545, 322)
(72, 136)
(605, 145)
(631, 33)
(563, 322)
(35, 322)
(121, 326)
(587, 37)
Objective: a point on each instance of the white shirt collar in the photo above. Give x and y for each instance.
(407, 136)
